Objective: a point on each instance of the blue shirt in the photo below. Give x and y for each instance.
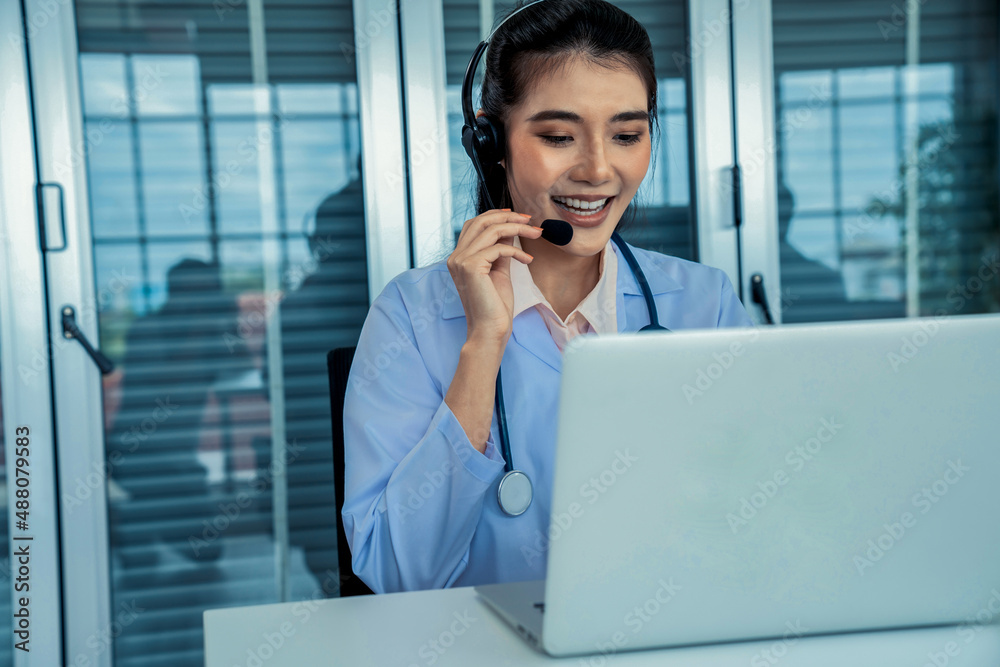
(420, 508)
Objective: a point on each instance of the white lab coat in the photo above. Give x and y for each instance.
(420, 506)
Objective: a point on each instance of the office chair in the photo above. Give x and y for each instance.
(338, 365)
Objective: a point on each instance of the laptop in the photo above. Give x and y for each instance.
(789, 481)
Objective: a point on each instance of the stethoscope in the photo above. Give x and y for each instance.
(515, 491)
(480, 136)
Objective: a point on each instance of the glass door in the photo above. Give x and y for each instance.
(878, 189)
(224, 228)
(30, 576)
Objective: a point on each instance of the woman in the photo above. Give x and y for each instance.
(572, 84)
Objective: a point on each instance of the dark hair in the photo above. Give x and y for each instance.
(539, 40)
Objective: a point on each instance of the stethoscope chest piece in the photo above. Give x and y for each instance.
(514, 493)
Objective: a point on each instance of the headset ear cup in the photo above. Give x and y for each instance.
(490, 140)
(468, 141)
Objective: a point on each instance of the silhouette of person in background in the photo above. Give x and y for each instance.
(811, 291)
(326, 311)
(172, 358)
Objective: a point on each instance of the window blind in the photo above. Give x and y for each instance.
(175, 207)
(841, 69)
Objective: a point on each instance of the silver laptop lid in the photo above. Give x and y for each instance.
(735, 484)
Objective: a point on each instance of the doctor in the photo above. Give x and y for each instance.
(570, 85)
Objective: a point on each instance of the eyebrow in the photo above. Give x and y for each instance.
(560, 114)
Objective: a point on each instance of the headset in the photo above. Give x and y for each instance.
(484, 142)
(483, 139)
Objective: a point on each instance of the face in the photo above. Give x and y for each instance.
(581, 133)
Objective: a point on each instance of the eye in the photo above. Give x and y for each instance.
(561, 140)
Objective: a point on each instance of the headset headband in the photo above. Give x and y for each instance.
(470, 73)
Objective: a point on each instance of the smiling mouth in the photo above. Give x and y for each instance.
(575, 206)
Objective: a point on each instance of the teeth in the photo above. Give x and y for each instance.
(584, 213)
(580, 204)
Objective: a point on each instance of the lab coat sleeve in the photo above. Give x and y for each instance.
(414, 484)
(731, 310)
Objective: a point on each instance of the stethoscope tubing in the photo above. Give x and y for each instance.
(654, 325)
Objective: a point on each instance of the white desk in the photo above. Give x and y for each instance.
(454, 627)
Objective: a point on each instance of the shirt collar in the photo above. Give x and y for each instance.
(598, 307)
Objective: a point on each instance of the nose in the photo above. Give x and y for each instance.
(593, 166)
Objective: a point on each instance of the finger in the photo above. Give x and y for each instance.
(476, 221)
(473, 222)
(493, 253)
(503, 234)
(476, 225)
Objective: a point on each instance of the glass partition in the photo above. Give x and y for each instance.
(207, 185)
(886, 123)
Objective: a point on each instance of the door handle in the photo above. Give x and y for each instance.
(51, 208)
(759, 296)
(70, 330)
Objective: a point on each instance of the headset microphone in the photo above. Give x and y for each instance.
(557, 232)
